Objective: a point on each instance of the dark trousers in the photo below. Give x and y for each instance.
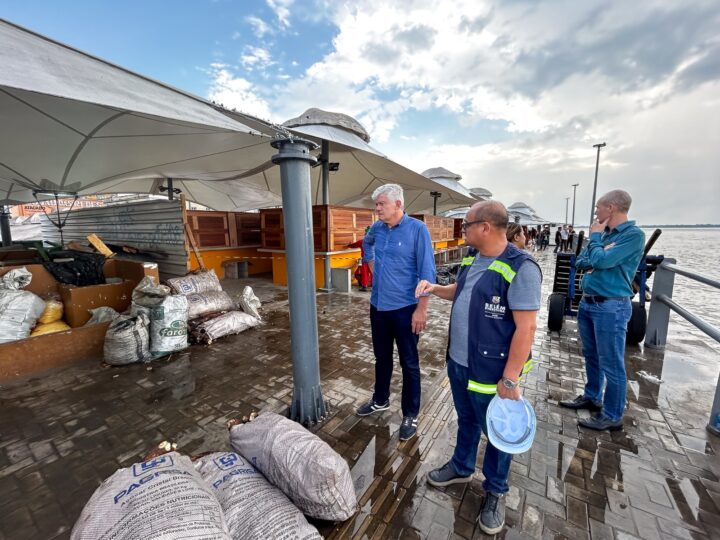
(389, 328)
(471, 410)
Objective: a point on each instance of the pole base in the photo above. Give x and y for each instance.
(308, 406)
(325, 289)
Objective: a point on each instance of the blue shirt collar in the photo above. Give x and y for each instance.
(402, 219)
(620, 228)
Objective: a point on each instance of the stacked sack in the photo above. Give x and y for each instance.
(155, 326)
(212, 313)
(286, 472)
(19, 310)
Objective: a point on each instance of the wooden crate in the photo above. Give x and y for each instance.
(334, 227)
(440, 228)
(224, 229)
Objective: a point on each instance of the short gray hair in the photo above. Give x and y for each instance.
(394, 192)
(618, 198)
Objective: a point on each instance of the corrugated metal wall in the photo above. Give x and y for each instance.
(153, 226)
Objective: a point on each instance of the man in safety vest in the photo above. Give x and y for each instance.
(492, 325)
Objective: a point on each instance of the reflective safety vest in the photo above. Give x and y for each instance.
(491, 325)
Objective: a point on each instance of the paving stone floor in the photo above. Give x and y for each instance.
(63, 432)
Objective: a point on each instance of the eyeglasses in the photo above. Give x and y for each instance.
(465, 224)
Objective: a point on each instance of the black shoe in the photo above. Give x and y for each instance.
(446, 475)
(492, 513)
(599, 422)
(581, 402)
(371, 407)
(408, 428)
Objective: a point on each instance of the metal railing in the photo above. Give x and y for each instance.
(660, 306)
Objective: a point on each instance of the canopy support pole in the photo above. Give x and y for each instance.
(435, 195)
(5, 226)
(294, 157)
(170, 189)
(325, 161)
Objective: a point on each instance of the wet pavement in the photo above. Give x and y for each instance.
(63, 432)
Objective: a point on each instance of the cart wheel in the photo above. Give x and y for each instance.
(556, 311)
(636, 324)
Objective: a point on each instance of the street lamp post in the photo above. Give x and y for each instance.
(574, 186)
(567, 201)
(597, 163)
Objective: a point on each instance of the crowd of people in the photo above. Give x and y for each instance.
(495, 302)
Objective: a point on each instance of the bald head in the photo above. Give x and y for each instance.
(493, 212)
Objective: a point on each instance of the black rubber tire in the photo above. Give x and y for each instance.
(636, 325)
(556, 311)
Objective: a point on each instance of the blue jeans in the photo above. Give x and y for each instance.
(602, 331)
(389, 328)
(471, 410)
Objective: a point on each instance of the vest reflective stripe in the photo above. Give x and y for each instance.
(467, 261)
(503, 269)
(481, 388)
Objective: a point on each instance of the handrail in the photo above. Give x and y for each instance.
(660, 306)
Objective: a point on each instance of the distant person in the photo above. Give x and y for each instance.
(610, 260)
(516, 235)
(488, 349)
(572, 238)
(400, 254)
(558, 240)
(564, 236)
(545, 238)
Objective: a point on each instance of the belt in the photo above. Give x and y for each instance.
(600, 299)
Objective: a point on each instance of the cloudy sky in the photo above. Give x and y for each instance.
(510, 94)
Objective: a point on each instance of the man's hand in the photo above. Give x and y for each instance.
(598, 226)
(424, 288)
(505, 393)
(419, 319)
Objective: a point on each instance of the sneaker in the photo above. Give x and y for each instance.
(581, 402)
(446, 475)
(408, 428)
(371, 407)
(492, 513)
(599, 422)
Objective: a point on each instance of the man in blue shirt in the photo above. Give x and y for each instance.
(400, 252)
(610, 261)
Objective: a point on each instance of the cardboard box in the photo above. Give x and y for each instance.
(30, 355)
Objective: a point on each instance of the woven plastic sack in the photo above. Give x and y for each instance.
(253, 507)
(148, 294)
(249, 302)
(314, 476)
(209, 302)
(53, 312)
(50, 328)
(232, 322)
(19, 311)
(127, 340)
(200, 282)
(16, 279)
(163, 498)
(168, 325)
(101, 315)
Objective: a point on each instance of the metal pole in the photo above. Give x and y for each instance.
(5, 226)
(597, 163)
(294, 158)
(567, 201)
(574, 186)
(659, 315)
(714, 423)
(435, 195)
(325, 161)
(170, 189)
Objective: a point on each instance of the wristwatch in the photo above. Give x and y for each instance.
(510, 384)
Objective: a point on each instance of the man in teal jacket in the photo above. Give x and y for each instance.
(610, 261)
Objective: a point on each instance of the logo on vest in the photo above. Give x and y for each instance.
(494, 310)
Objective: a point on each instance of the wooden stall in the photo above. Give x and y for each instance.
(441, 229)
(334, 227)
(226, 237)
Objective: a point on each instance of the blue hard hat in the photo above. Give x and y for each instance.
(511, 424)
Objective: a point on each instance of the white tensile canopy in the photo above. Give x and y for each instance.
(72, 123)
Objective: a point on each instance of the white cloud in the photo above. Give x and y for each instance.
(281, 8)
(255, 58)
(259, 27)
(236, 92)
